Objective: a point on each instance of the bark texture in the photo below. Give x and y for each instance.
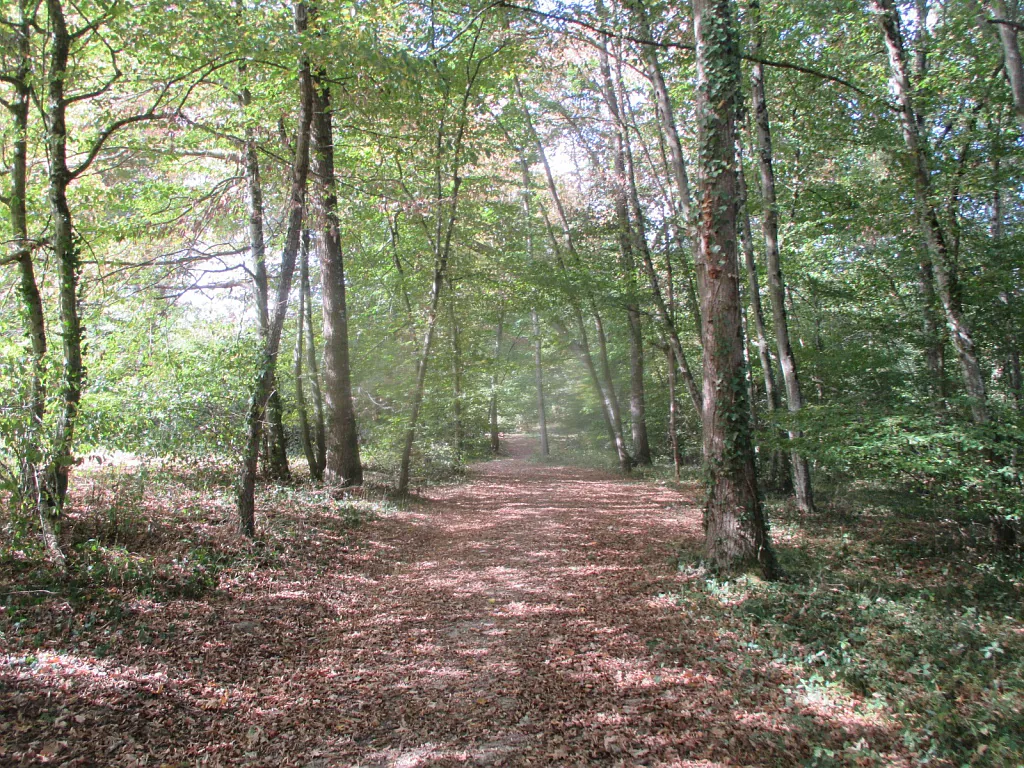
(736, 536)
(343, 465)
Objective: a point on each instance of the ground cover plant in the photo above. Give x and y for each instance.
(516, 617)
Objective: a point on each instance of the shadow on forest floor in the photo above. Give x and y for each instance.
(535, 615)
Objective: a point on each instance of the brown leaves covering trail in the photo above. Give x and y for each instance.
(512, 620)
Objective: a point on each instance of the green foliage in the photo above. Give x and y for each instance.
(173, 386)
(963, 470)
(933, 642)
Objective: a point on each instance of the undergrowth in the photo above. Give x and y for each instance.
(156, 532)
(918, 619)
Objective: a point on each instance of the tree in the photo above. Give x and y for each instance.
(266, 366)
(776, 284)
(736, 536)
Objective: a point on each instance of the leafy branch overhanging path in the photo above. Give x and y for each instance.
(521, 618)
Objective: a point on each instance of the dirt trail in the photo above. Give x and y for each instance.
(515, 619)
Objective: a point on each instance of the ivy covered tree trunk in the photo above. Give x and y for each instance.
(53, 489)
(33, 317)
(736, 536)
(776, 283)
(267, 362)
(342, 436)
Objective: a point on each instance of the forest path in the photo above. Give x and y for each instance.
(522, 617)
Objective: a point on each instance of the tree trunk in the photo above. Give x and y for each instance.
(453, 321)
(305, 433)
(945, 273)
(343, 465)
(493, 406)
(583, 349)
(673, 418)
(776, 284)
(33, 316)
(639, 227)
(538, 341)
(275, 454)
(440, 267)
(625, 460)
(637, 404)
(538, 373)
(736, 536)
(53, 489)
(313, 375)
(444, 228)
(669, 132)
(779, 474)
(277, 442)
(246, 497)
(1012, 63)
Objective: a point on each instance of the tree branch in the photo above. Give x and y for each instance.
(601, 30)
(1012, 24)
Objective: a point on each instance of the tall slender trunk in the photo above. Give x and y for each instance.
(625, 460)
(277, 442)
(604, 398)
(538, 374)
(1012, 62)
(673, 417)
(313, 375)
(670, 135)
(343, 465)
(442, 240)
(31, 301)
(637, 396)
(33, 316)
(492, 410)
(453, 321)
(934, 348)
(440, 267)
(779, 473)
(246, 496)
(736, 536)
(616, 107)
(944, 268)
(305, 432)
(275, 453)
(764, 353)
(53, 488)
(637, 404)
(776, 284)
(538, 341)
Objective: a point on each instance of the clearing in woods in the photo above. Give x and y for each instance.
(524, 617)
